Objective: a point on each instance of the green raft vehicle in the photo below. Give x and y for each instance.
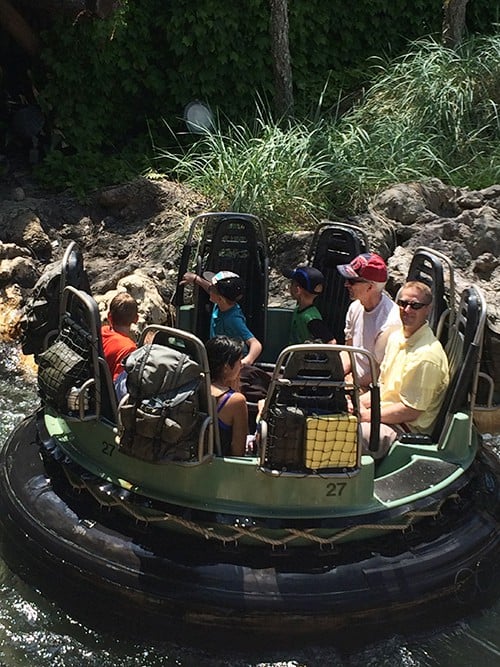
(131, 509)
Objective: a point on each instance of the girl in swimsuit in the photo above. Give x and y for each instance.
(224, 359)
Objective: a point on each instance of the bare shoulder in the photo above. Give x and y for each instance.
(238, 399)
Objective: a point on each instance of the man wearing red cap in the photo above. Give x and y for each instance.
(372, 315)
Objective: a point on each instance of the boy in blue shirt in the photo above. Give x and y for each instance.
(225, 289)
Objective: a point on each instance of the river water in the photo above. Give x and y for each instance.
(35, 633)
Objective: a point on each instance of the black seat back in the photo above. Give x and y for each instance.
(75, 361)
(335, 243)
(463, 350)
(427, 267)
(42, 314)
(231, 242)
(316, 383)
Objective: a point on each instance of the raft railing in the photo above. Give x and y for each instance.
(188, 343)
(73, 375)
(307, 427)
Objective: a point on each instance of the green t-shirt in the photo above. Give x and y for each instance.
(299, 331)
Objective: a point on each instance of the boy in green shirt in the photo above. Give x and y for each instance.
(307, 322)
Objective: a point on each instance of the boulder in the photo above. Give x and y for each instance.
(19, 271)
(23, 227)
(152, 307)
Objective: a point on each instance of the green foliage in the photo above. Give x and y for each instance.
(220, 52)
(430, 113)
(85, 171)
(105, 83)
(278, 174)
(100, 89)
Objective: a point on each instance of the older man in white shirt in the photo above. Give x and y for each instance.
(372, 315)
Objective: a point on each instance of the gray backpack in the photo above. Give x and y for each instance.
(160, 420)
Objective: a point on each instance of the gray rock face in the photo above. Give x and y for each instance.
(464, 225)
(139, 228)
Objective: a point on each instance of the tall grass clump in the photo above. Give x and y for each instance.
(431, 113)
(280, 174)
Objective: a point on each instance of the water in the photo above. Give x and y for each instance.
(35, 633)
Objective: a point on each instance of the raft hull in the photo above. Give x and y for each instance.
(88, 558)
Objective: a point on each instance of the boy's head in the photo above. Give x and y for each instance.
(228, 284)
(307, 278)
(123, 310)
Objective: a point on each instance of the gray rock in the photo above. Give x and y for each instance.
(18, 194)
(19, 270)
(23, 227)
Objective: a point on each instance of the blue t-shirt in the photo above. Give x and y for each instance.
(231, 323)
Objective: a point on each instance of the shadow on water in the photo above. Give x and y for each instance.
(35, 632)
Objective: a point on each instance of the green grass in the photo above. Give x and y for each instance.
(432, 113)
(279, 174)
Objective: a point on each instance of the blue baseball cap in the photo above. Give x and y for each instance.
(309, 278)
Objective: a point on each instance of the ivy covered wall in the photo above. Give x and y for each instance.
(103, 84)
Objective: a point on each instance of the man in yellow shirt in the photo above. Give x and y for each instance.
(413, 375)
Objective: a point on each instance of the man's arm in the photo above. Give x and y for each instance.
(319, 329)
(381, 341)
(345, 357)
(397, 413)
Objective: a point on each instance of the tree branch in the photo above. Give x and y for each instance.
(18, 28)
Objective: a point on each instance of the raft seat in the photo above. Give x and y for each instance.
(464, 351)
(427, 267)
(73, 375)
(305, 426)
(231, 242)
(335, 243)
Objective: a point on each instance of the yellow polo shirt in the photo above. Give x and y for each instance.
(414, 371)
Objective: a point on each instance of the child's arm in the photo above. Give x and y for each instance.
(254, 350)
(194, 279)
(239, 424)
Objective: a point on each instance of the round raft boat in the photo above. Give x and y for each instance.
(131, 511)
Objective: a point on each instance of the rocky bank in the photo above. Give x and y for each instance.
(131, 236)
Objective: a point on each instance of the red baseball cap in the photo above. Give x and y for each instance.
(368, 266)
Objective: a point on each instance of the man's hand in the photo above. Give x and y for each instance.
(365, 414)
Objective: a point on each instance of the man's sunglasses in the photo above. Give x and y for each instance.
(355, 281)
(414, 305)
